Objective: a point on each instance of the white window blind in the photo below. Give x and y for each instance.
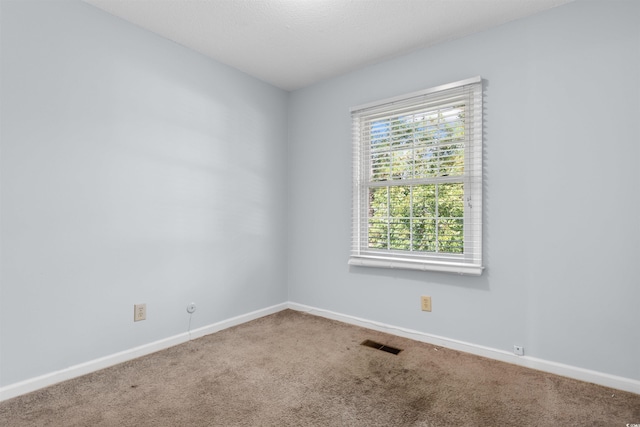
(417, 180)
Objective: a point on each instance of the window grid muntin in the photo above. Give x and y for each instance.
(388, 219)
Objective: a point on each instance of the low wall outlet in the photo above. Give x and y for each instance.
(139, 312)
(518, 350)
(425, 303)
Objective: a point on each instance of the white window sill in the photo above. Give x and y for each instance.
(444, 267)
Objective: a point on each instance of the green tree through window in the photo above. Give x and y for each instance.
(427, 217)
(417, 171)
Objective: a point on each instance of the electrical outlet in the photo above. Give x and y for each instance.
(518, 350)
(425, 302)
(139, 312)
(191, 308)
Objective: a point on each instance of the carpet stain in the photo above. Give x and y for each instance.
(295, 369)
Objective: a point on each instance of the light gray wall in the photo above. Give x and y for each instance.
(562, 238)
(133, 171)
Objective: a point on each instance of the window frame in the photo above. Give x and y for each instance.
(470, 261)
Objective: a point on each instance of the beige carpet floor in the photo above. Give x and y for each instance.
(295, 369)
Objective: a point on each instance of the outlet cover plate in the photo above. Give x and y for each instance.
(139, 312)
(425, 303)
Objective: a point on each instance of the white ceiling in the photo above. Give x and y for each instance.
(295, 43)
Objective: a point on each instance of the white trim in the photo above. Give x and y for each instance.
(238, 320)
(416, 94)
(595, 377)
(388, 262)
(71, 372)
(33, 384)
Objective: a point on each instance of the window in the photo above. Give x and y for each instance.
(417, 183)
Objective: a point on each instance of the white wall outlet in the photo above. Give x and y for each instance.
(191, 307)
(139, 312)
(518, 350)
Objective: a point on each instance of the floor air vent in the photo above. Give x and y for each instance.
(377, 345)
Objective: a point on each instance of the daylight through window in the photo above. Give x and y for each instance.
(418, 180)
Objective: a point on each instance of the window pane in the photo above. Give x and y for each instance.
(450, 236)
(379, 134)
(439, 143)
(451, 200)
(424, 235)
(400, 234)
(378, 229)
(402, 164)
(400, 201)
(378, 202)
(424, 201)
(424, 223)
(380, 166)
(451, 160)
(451, 214)
(400, 217)
(402, 131)
(426, 162)
(378, 221)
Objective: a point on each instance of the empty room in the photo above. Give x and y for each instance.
(319, 212)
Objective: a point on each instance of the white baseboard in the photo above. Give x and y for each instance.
(238, 320)
(75, 371)
(46, 380)
(595, 377)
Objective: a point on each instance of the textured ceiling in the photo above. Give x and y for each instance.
(295, 43)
